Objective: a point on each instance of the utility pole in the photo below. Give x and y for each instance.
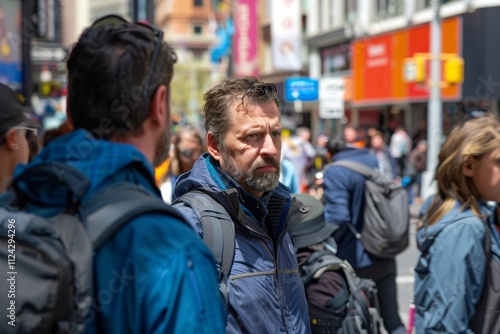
(434, 112)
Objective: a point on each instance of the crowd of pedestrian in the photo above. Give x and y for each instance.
(245, 162)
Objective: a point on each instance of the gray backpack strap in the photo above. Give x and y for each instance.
(218, 231)
(114, 206)
(354, 166)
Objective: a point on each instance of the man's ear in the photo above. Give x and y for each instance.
(213, 146)
(158, 107)
(468, 166)
(12, 139)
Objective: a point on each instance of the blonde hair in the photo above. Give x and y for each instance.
(473, 138)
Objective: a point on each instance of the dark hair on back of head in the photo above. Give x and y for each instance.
(336, 145)
(107, 68)
(220, 98)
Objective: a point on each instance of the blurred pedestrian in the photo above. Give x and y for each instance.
(241, 172)
(386, 162)
(415, 165)
(187, 146)
(119, 75)
(352, 136)
(399, 147)
(18, 141)
(344, 206)
(451, 276)
(299, 150)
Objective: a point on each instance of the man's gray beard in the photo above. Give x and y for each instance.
(265, 182)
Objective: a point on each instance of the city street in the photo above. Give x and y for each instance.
(406, 262)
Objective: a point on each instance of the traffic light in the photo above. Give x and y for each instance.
(454, 70)
(414, 69)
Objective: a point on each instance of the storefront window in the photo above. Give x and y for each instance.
(336, 59)
(389, 8)
(422, 4)
(350, 11)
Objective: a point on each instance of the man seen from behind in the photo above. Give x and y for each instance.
(154, 275)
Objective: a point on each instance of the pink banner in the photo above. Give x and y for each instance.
(245, 38)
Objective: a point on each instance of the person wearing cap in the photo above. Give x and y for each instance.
(310, 236)
(154, 275)
(344, 192)
(17, 135)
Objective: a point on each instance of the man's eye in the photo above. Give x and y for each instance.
(276, 133)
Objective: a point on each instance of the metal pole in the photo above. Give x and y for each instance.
(434, 112)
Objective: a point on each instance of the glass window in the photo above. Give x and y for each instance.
(389, 8)
(350, 10)
(197, 29)
(198, 3)
(336, 59)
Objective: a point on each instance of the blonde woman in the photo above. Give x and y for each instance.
(451, 270)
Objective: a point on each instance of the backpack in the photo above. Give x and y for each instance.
(354, 307)
(485, 318)
(386, 214)
(487, 309)
(49, 261)
(218, 231)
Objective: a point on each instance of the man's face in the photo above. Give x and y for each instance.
(251, 151)
(350, 135)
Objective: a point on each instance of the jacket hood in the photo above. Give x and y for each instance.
(99, 160)
(427, 234)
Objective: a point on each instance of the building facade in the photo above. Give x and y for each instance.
(365, 43)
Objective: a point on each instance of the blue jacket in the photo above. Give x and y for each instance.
(266, 293)
(154, 275)
(344, 203)
(450, 271)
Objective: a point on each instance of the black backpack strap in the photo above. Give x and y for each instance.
(218, 231)
(355, 167)
(114, 206)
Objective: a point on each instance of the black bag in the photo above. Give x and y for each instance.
(487, 310)
(353, 307)
(386, 214)
(49, 261)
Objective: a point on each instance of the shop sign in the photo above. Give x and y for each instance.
(302, 89)
(48, 53)
(331, 97)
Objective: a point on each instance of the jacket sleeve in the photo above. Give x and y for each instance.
(449, 281)
(157, 276)
(337, 197)
(189, 286)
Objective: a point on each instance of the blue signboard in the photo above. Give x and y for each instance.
(303, 89)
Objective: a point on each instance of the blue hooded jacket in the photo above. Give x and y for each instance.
(266, 293)
(450, 271)
(344, 202)
(154, 275)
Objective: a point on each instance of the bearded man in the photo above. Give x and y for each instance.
(241, 172)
